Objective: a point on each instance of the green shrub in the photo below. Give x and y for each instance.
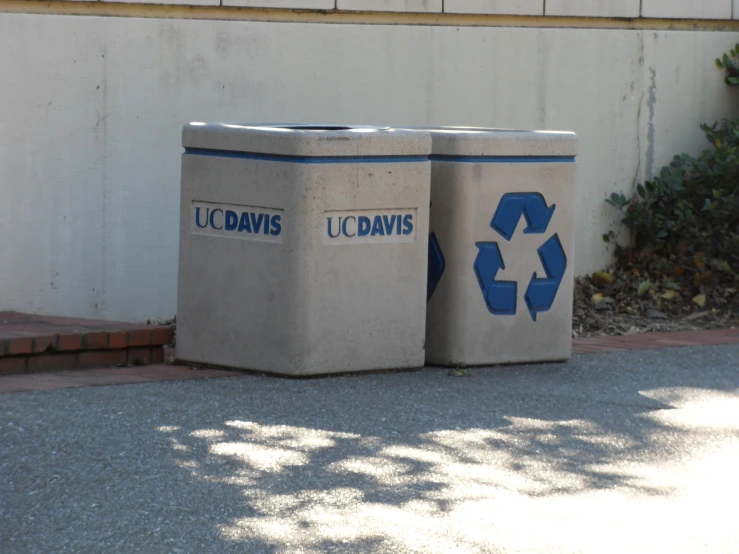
(687, 217)
(730, 64)
(690, 211)
(684, 226)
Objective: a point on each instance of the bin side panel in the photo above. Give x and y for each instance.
(366, 266)
(483, 310)
(237, 264)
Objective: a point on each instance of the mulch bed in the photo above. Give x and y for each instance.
(626, 302)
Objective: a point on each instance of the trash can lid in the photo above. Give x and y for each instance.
(480, 141)
(307, 140)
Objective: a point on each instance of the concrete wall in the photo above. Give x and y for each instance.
(91, 110)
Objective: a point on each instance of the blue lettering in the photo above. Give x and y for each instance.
(338, 232)
(276, 227)
(197, 218)
(266, 224)
(256, 222)
(364, 226)
(408, 224)
(212, 219)
(377, 226)
(398, 222)
(343, 227)
(232, 220)
(244, 223)
(389, 223)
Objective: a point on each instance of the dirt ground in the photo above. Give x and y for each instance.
(625, 303)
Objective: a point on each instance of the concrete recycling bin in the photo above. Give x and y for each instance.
(500, 281)
(303, 249)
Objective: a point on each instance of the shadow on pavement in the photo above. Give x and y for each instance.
(578, 456)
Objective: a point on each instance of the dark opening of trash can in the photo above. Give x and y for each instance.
(316, 127)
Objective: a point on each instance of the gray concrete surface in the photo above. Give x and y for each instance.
(623, 452)
(484, 245)
(339, 284)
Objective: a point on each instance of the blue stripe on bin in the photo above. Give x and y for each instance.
(305, 159)
(503, 159)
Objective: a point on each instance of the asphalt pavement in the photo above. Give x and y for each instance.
(620, 452)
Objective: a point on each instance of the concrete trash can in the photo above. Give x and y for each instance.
(303, 249)
(500, 281)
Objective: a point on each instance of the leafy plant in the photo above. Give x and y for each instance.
(684, 225)
(688, 215)
(730, 64)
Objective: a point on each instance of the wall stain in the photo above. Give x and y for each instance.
(639, 151)
(651, 103)
(542, 70)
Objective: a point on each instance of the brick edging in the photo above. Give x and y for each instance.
(36, 343)
(84, 359)
(644, 341)
(147, 347)
(77, 342)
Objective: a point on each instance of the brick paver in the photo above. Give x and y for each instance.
(17, 332)
(655, 340)
(105, 376)
(153, 373)
(38, 343)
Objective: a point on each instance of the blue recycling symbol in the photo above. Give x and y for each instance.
(500, 296)
(437, 265)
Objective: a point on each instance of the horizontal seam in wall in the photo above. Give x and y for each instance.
(166, 11)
